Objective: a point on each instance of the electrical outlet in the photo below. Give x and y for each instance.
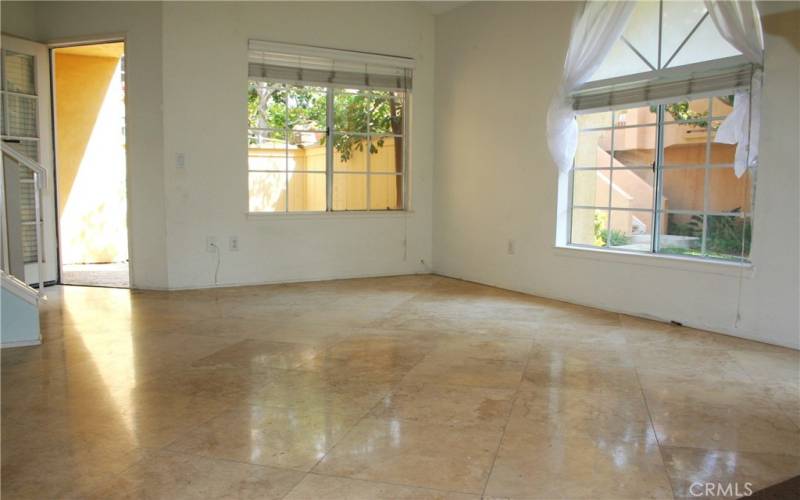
(511, 247)
(211, 244)
(180, 160)
(233, 243)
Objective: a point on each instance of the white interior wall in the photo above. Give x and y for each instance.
(187, 77)
(494, 178)
(140, 24)
(495, 181)
(205, 82)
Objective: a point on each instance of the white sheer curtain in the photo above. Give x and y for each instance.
(594, 32)
(739, 23)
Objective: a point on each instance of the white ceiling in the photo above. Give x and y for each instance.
(442, 6)
(766, 7)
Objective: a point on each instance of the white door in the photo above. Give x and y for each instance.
(26, 126)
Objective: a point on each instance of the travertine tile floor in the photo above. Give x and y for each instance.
(404, 387)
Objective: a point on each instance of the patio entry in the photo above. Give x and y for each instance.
(89, 111)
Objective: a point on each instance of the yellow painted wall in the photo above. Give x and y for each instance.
(80, 88)
(307, 191)
(90, 154)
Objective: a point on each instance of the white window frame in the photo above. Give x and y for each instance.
(320, 58)
(660, 72)
(658, 168)
(329, 171)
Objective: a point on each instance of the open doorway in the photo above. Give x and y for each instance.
(89, 111)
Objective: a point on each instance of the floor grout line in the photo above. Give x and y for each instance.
(754, 381)
(655, 434)
(454, 310)
(508, 419)
(361, 419)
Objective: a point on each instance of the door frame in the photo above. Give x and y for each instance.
(77, 42)
(50, 253)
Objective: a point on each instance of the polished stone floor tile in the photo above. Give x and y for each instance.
(494, 329)
(738, 417)
(280, 437)
(273, 388)
(399, 387)
(786, 396)
(727, 474)
(368, 358)
(312, 334)
(257, 355)
(525, 468)
(166, 475)
(782, 366)
(586, 456)
(661, 388)
(339, 488)
(578, 442)
(580, 414)
(487, 348)
(562, 334)
(599, 369)
(229, 328)
(222, 384)
(454, 368)
(415, 454)
(654, 335)
(69, 465)
(450, 405)
(389, 348)
(326, 392)
(731, 427)
(689, 363)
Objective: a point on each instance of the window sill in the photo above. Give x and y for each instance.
(735, 269)
(282, 216)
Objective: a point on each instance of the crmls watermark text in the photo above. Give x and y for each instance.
(698, 489)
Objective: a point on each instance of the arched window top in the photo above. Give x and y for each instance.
(664, 34)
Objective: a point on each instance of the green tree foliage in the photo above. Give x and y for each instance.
(693, 227)
(680, 111)
(289, 109)
(725, 235)
(603, 236)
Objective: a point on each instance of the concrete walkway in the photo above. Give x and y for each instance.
(114, 274)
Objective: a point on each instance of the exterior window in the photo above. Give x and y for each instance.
(662, 35)
(652, 179)
(318, 149)
(648, 175)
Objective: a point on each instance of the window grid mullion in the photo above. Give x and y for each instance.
(658, 173)
(405, 186)
(706, 184)
(330, 131)
(329, 124)
(369, 144)
(610, 180)
(286, 152)
(660, 29)
(570, 201)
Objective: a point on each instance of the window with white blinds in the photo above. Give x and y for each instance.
(327, 129)
(305, 65)
(649, 175)
(666, 85)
